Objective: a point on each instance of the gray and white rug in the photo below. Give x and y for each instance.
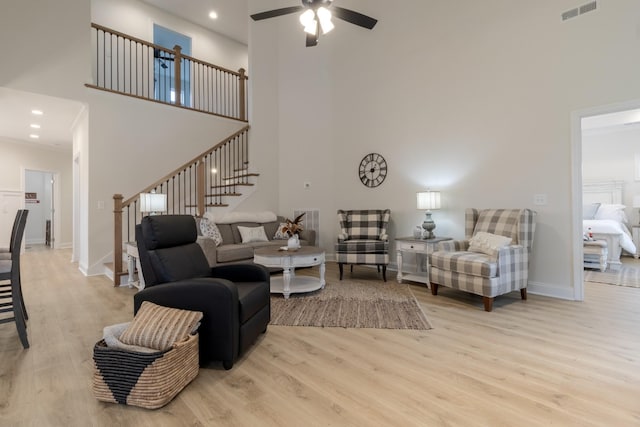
(626, 276)
(365, 302)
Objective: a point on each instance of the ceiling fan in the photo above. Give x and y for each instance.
(317, 16)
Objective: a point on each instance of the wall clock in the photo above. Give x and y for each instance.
(372, 170)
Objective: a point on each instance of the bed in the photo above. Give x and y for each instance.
(604, 216)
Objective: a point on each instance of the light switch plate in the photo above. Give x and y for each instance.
(539, 199)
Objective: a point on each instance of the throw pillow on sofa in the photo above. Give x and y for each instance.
(252, 234)
(280, 234)
(209, 229)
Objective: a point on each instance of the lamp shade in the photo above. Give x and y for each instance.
(428, 200)
(153, 202)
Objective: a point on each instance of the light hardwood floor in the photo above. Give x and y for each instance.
(535, 363)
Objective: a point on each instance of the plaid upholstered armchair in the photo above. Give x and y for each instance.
(494, 258)
(363, 239)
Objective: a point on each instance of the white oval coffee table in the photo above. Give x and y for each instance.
(289, 283)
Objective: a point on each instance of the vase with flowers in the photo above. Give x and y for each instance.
(293, 229)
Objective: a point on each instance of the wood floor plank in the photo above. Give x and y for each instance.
(538, 362)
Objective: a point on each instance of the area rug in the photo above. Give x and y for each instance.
(350, 303)
(626, 276)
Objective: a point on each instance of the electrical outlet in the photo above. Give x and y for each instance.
(539, 199)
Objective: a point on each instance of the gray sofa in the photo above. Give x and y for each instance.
(232, 250)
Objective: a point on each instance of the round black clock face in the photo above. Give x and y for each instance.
(372, 170)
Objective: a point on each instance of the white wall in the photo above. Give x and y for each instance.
(471, 98)
(610, 154)
(18, 156)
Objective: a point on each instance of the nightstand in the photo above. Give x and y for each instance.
(635, 234)
(421, 249)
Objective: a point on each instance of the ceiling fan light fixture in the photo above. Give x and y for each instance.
(324, 16)
(307, 18)
(312, 28)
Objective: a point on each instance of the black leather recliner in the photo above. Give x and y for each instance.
(233, 298)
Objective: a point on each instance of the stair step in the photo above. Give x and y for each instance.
(244, 175)
(210, 205)
(222, 194)
(231, 185)
(109, 265)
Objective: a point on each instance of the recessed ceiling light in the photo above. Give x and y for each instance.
(213, 14)
(34, 126)
(37, 112)
(34, 136)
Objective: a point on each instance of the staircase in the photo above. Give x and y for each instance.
(208, 181)
(133, 67)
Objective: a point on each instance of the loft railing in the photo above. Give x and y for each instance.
(201, 183)
(134, 67)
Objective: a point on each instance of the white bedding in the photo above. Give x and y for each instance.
(609, 226)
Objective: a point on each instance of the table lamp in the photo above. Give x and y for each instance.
(153, 203)
(428, 200)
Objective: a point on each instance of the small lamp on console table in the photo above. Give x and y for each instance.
(153, 203)
(428, 200)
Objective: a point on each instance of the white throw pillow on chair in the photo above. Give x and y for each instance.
(488, 243)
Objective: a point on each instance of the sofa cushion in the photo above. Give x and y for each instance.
(470, 263)
(227, 234)
(234, 252)
(237, 237)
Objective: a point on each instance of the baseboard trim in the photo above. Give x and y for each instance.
(554, 291)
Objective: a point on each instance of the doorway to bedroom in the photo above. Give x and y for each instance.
(611, 194)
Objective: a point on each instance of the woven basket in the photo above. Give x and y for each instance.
(148, 380)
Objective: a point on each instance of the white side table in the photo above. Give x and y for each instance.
(133, 263)
(635, 234)
(421, 248)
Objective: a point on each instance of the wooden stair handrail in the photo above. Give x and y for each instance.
(191, 162)
(201, 198)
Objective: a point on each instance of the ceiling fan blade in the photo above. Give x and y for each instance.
(312, 40)
(354, 17)
(276, 12)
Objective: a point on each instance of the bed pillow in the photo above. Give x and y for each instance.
(158, 327)
(252, 234)
(589, 211)
(488, 243)
(611, 211)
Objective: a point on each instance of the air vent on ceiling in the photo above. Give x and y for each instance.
(588, 7)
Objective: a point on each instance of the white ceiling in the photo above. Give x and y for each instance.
(55, 124)
(233, 15)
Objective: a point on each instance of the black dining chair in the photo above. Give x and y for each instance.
(11, 300)
(5, 252)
